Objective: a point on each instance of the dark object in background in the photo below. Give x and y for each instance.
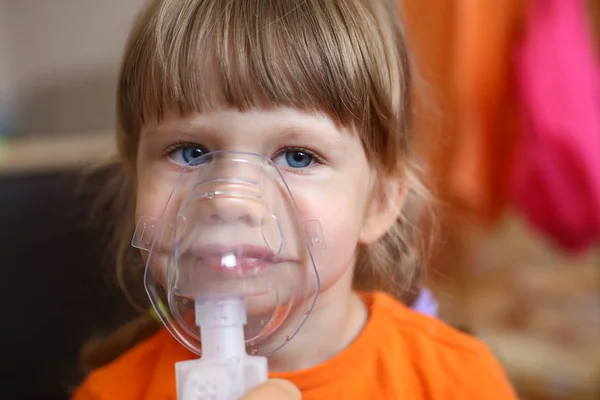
(57, 290)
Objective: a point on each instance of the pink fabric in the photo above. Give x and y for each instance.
(556, 180)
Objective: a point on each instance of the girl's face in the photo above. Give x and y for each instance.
(324, 165)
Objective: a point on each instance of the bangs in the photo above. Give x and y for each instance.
(196, 55)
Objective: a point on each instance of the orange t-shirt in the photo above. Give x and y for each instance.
(399, 355)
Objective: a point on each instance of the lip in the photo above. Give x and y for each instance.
(239, 250)
(233, 260)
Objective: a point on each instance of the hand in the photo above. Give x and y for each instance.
(274, 389)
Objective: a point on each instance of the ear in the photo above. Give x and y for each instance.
(383, 209)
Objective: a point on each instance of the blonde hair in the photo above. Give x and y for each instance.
(347, 58)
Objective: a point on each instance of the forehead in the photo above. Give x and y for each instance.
(228, 125)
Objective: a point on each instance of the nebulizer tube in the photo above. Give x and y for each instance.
(225, 371)
(230, 270)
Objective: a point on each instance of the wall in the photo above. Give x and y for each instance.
(4, 70)
(62, 59)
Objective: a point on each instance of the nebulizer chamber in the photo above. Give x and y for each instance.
(230, 270)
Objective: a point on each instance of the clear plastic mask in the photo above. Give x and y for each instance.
(231, 229)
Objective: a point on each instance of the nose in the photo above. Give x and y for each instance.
(231, 208)
(230, 190)
(227, 203)
(232, 167)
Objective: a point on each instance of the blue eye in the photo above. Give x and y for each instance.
(188, 155)
(296, 159)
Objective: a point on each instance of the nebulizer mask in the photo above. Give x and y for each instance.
(230, 270)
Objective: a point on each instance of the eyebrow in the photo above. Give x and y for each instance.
(303, 133)
(178, 127)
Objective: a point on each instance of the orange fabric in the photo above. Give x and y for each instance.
(463, 51)
(399, 355)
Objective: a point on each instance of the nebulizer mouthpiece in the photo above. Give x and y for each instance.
(230, 270)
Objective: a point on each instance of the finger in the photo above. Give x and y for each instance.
(274, 389)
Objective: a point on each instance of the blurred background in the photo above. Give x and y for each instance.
(507, 124)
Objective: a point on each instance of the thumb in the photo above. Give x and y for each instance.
(274, 389)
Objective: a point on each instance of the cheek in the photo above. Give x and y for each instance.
(151, 198)
(341, 236)
(154, 189)
(341, 218)
(152, 195)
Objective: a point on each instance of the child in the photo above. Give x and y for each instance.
(323, 88)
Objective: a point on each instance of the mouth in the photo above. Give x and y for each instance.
(233, 260)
